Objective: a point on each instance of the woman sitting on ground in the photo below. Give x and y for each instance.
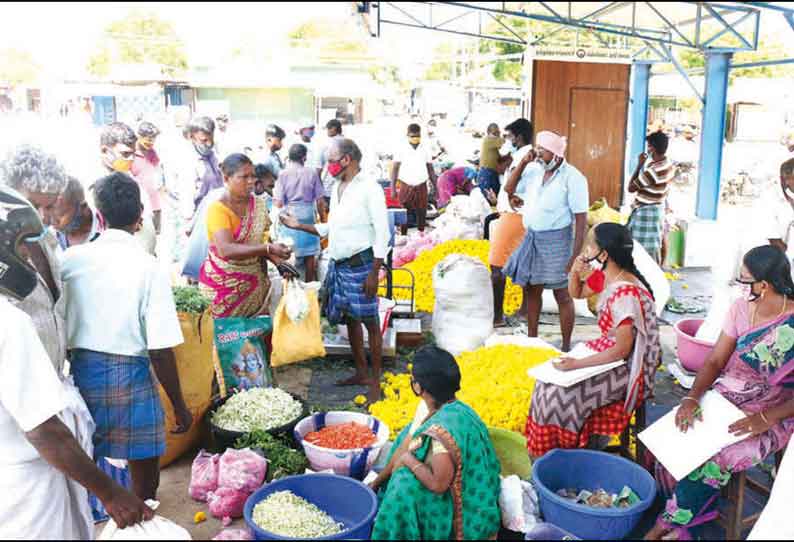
(234, 275)
(602, 405)
(752, 366)
(442, 480)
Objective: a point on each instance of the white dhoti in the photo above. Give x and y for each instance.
(40, 502)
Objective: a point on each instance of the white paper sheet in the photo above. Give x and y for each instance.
(682, 453)
(551, 375)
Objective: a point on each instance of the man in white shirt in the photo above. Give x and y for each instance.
(358, 239)
(413, 167)
(509, 231)
(333, 130)
(45, 433)
(121, 323)
(781, 217)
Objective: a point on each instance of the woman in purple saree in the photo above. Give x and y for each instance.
(752, 365)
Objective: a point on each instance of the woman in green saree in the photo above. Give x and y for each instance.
(442, 479)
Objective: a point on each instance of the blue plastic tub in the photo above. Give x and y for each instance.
(346, 500)
(585, 469)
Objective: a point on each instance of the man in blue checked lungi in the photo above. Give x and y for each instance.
(358, 238)
(121, 327)
(554, 207)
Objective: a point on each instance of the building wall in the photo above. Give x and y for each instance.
(266, 105)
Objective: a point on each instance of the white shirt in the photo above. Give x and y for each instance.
(777, 216)
(31, 393)
(119, 298)
(357, 221)
(413, 164)
(503, 200)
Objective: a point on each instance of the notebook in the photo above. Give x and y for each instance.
(549, 374)
(682, 453)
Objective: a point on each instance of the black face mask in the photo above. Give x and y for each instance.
(595, 259)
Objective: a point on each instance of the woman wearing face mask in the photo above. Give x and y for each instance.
(442, 480)
(602, 405)
(752, 366)
(234, 275)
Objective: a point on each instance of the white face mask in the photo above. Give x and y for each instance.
(548, 166)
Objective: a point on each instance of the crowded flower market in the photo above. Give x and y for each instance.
(397, 271)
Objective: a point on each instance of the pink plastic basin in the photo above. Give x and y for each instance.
(691, 351)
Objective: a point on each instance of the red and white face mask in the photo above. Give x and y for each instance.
(596, 282)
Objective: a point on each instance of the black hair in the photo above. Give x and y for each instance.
(522, 128)
(274, 131)
(347, 147)
(438, 373)
(787, 168)
(115, 133)
(659, 141)
(201, 124)
(617, 242)
(233, 163)
(492, 127)
(298, 152)
(335, 124)
(118, 198)
(770, 264)
(414, 128)
(147, 129)
(263, 170)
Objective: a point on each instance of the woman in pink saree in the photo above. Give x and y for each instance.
(234, 276)
(752, 365)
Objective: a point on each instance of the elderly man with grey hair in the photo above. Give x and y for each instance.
(358, 238)
(38, 177)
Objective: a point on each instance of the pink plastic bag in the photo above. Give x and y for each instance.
(242, 470)
(234, 534)
(227, 502)
(203, 475)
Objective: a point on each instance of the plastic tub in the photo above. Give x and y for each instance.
(511, 449)
(346, 500)
(586, 469)
(224, 438)
(356, 462)
(692, 352)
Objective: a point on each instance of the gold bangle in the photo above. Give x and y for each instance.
(267, 249)
(417, 466)
(691, 399)
(763, 417)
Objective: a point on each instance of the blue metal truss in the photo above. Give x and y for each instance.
(668, 33)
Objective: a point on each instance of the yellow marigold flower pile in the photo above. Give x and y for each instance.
(494, 382)
(423, 266)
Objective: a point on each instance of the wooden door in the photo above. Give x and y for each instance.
(597, 140)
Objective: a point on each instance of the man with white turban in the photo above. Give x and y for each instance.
(554, 206)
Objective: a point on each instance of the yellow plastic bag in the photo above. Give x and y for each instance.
(195, 370)
(600, 211)
(300, 340)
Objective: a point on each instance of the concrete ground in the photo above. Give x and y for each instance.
(314, 382)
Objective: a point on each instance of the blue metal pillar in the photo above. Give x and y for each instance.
(638, 114)
(712, 134)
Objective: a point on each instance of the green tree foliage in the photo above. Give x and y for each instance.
(139, 38)
(329, 37)
(17, 67)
